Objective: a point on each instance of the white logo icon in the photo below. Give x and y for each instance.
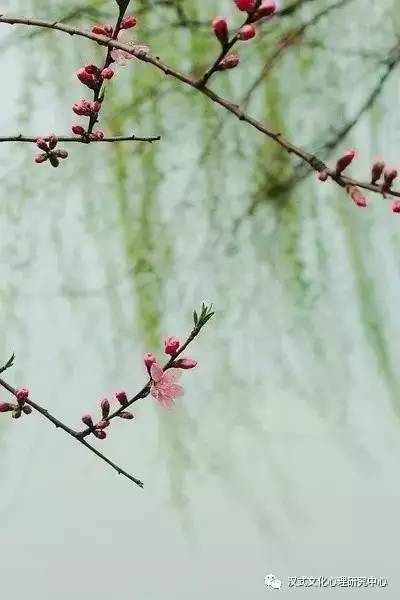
(272, 581)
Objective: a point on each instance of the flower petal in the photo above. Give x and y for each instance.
(177, 390)
(171, 375)
(156, 372)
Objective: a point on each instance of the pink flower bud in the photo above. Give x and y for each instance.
(5, 407)
(245, 5)
(220, 28)
(185, 363)
(98, 30)
(92, 70)
(389, 175)
(97, 136)
(105, 408)
(78, 129)
(80, 108)
(54, 160)
(103, 424)
(247, 32)
(357, 196)
(87, 420)
(267, 9)
(229, 62)
(100, 433)
(128, 22)
(42, 144)
(107, 73)
(95, 106)
(396, 206)
(323, 175)
(61, 153)
(149, 360)
(126, 415)
(84, 77)
(344, 161)
(377, 170)
(21, 395)
(171, 345)
(41, 158)
(53, 141)
(109, 29)
(122, 398)
(27, 409)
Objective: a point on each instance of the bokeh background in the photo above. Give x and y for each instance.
(283, 455)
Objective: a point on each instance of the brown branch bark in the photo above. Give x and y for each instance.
(313, 161)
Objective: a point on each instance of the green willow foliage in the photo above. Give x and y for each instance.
(216, 210)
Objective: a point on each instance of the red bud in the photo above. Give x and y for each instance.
(122, 398)
(105, 408)
(185, 363)
(126, 415)
(344, 161)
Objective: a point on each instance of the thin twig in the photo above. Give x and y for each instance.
(80, 436)
(80, 139)
(60, 425)
(313, 161)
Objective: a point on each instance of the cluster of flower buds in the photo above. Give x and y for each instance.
(98, 428)
(382, 176)
(85, 108)
(49, 152)
(256, 10)
(108, 30)
(20, 407)
(93, 77)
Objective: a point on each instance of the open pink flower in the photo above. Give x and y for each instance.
(163, 387)
(121, 56)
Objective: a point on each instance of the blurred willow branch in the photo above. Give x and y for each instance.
(310, 159)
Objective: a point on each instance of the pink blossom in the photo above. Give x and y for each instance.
(396, 207)
(121, 56)
(5, 407)
(163, 387)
